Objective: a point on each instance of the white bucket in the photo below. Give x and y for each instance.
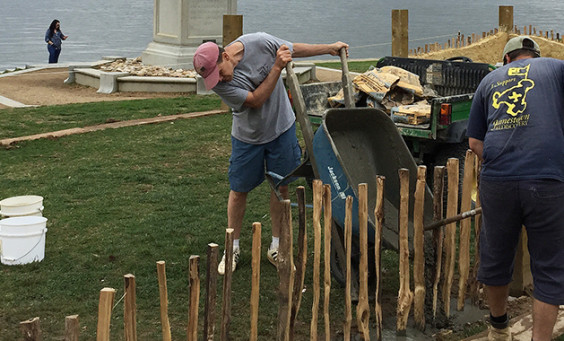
(22, 240)
(24, 224)
(25, 205)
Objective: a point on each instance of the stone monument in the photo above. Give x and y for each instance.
(180, 26)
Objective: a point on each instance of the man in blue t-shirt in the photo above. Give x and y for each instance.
(516, 127)
(246, 75)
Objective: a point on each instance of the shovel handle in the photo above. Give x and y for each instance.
(453, 219)
(347, 84)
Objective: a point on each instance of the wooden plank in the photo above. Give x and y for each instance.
(72, 328)
(163, 296)
(379, 222)
(465, 227)
(194, 271)
(227, 281)
(31, 330)
(405, 296)
(450, 231)
(105, 307)
(211, 292)
(317, 210)
(255, 280)
(129, 308)
(438, 233)
(362, 308)
(327, 221)
(285, 272)
(419, 250)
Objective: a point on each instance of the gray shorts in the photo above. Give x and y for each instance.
(539, 206)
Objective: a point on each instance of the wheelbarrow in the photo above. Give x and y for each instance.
(353, 146)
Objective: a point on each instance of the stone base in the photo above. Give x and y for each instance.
(174, 56)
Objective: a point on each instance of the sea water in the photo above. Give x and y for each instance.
(125, 27)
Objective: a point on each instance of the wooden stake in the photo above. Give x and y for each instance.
(419, 251)
(105, 307)
(405, 296)
(379, 216)
(129, 309)
(400, 32)
(227, 279)
(163, 295)
(194, 298)
(328, 221)
(474, 284)
(438, 187)
(31, 330)
(211, 291)
(362, 307)
(465, 226)
(450, 235)
(72, 328)
(255, 283)
(285, 272)
(348, 279)
(317, 209)
(301, 259)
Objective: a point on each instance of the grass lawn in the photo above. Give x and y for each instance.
(118, 201)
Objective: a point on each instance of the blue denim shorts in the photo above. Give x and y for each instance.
(539, 206)
(249, 162)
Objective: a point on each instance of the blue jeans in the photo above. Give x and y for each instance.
(53, 53)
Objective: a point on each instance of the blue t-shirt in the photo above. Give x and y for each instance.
(275, 116)
(518, 112)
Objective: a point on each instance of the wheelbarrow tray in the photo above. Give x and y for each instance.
(353, 147)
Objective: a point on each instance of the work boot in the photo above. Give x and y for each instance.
(221, 266)
(495, 334)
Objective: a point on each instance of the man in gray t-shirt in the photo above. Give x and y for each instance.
(246, 75)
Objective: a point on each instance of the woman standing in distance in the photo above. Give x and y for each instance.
(54, 39)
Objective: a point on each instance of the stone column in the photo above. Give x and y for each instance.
(180, 26)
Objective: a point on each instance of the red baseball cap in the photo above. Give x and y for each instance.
(205, 63)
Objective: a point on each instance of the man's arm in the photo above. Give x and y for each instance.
(256, 98)
(477, 146)
(309, 50)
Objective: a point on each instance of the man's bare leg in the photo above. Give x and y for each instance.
(497, 299)
(544, 318)
(276, 210)
(236, 206)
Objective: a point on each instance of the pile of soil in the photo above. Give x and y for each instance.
(490, 49)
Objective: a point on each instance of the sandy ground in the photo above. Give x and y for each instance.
(47, 87)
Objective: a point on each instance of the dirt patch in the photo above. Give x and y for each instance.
(47, 87)
(490, 49)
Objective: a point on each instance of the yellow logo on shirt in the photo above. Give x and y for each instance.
(515, 98)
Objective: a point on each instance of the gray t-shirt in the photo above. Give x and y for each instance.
(275, 116)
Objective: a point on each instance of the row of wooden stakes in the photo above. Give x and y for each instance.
(292, 275)
(461, 41)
